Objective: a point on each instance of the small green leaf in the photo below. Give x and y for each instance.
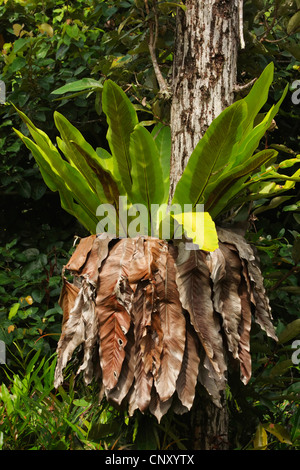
(101, 430)
(4, 279)
(275, 202)
(260, 441)
(81, 402)
(17, 64)
(278, 431)
(38, 191)
(294, 23)
(19, 44)
(24, 189)
(280, 368)
(13, 310)
(291, 331)
(38, 295)
(79, 85)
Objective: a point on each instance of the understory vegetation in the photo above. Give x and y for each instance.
(56, 56)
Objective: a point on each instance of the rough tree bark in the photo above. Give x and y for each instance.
(204, 73)
(204, 77)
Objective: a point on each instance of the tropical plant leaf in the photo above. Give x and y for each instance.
(148, 185)
(231, 309)
(114, 322)
(232, 140)
(157, 407)
(77, 211)
(162, 137)
(109, 164)
(250, 141)
(290, 331)
(242, 165)
(68, 133)
(73, 179)
(82, 155)
(258, 96)
(232, 300)
(275, 202)
(200, 228)
(245, 326)
(122, 119)
(210, 380)
(97, 255)
(212, 154)
(143, 305)
(106, 187)
(80, 255)
(56, 183)
(234, 183)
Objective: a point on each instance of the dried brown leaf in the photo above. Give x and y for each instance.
(217, 267)
(157, 407)
(173, 327)
(245, 328)
(231, 310)
(89, 367)
(79, 256)
(114, 322)
(113, 275)
(97, 255)
(113, 318)
(79, 329)
(67, 298)
(153, 317)
(149, 257)
(263, 314)
(193, 281)
(142, 309)
(121, 390)
(187, 379)
(210, 380)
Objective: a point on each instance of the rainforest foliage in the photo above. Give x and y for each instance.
(55, 58)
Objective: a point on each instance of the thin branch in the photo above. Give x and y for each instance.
(275, 40)
(153, 35)
(239, 88)
(293, 270)
(241, 27)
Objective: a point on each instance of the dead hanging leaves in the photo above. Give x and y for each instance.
(154, 319)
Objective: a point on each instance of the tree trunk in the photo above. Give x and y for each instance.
(204, 76)
(210, 425)
(204, 73)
